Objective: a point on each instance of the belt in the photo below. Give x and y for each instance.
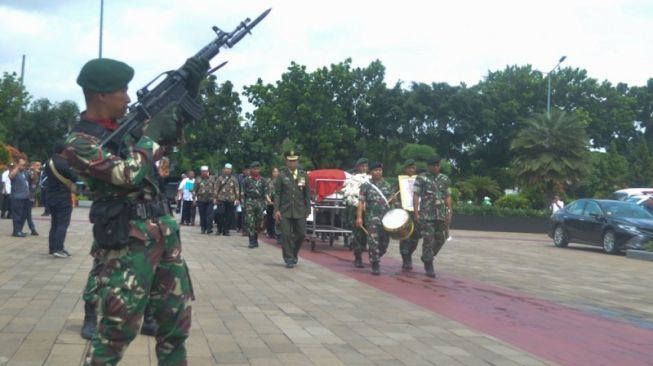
(148, 210)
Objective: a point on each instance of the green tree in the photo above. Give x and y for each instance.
(216, 138)
(13, 101)
(551, 150)
(41, 125)
(475, 188)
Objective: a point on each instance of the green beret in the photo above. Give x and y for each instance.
(362, 161)
(433, 160)
(409, 162)
(255, 164)
(376, 165)
(104, 75)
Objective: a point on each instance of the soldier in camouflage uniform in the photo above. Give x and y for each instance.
(374, 203)
(137, 244)
(408, 246)
(359, 239)
(432, 203)
(255, 190)
(205, 194)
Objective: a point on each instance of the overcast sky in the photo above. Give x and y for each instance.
(424, 41)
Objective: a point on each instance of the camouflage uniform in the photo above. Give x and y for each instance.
(149, 270)
(433, 192)
(407, 246)
(205, 192)
(254, 192)
(375, 208)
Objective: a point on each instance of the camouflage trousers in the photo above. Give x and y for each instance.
(253, 216)
(359, 238)
(148, 272)
(377, 240)
(408, 246)
(433, 232)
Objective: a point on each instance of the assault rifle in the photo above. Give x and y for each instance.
(172, 89)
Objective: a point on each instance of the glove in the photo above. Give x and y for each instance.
(164, 127)
(196, 69)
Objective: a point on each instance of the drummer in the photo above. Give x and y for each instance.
(359, 241)
(408, 246)
(373, 204)
(432, 210)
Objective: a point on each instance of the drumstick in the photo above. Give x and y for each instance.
(363, 228)
(393, 196)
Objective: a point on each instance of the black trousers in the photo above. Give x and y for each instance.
(227, 217)
(19, 209)
(44, 201)
(186, 207)
(5, 207)
(60, 212)
(206, 215)
(269, 221)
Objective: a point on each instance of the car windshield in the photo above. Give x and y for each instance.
(623, 209)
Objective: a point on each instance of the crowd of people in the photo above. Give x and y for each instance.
(243, 202)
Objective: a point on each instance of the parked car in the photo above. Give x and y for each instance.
(625, 194)
(613, 225)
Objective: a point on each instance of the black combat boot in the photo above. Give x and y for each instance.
(404, 262)
(149, 326)
(428, 267)
(409, 262)
(253, 241)
(376, 270)
(358, 260)
(90, 321)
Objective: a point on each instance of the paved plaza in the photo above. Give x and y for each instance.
(499, 299)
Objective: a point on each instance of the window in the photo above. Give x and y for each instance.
(592, 208)
(576, 208)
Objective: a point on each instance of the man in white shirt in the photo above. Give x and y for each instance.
(556, 204)
(5, 205)
(187, 198)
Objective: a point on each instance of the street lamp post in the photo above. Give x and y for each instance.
(548, 94)
(101, 26)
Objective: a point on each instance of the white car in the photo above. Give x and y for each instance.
(625, 194)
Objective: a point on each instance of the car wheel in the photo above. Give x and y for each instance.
(560, 239)
(609, 245)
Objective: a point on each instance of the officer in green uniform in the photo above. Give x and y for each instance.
(255, 190)
(359, 240)
(137, 241)
(408, 245)
(432, 204)
(292, 203)
(374, 203)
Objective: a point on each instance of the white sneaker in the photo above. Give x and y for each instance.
(59, 255)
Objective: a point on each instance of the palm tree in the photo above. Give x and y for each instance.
(552, 150)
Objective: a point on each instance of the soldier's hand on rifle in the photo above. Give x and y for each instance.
(196, 69)
(163, 127)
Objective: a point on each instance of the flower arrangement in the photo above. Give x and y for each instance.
(351, 188)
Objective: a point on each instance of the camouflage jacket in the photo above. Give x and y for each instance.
(433, 191)
(228, 188)
(375, 205)
(204, 189)
(255, 190)
(109, 176)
